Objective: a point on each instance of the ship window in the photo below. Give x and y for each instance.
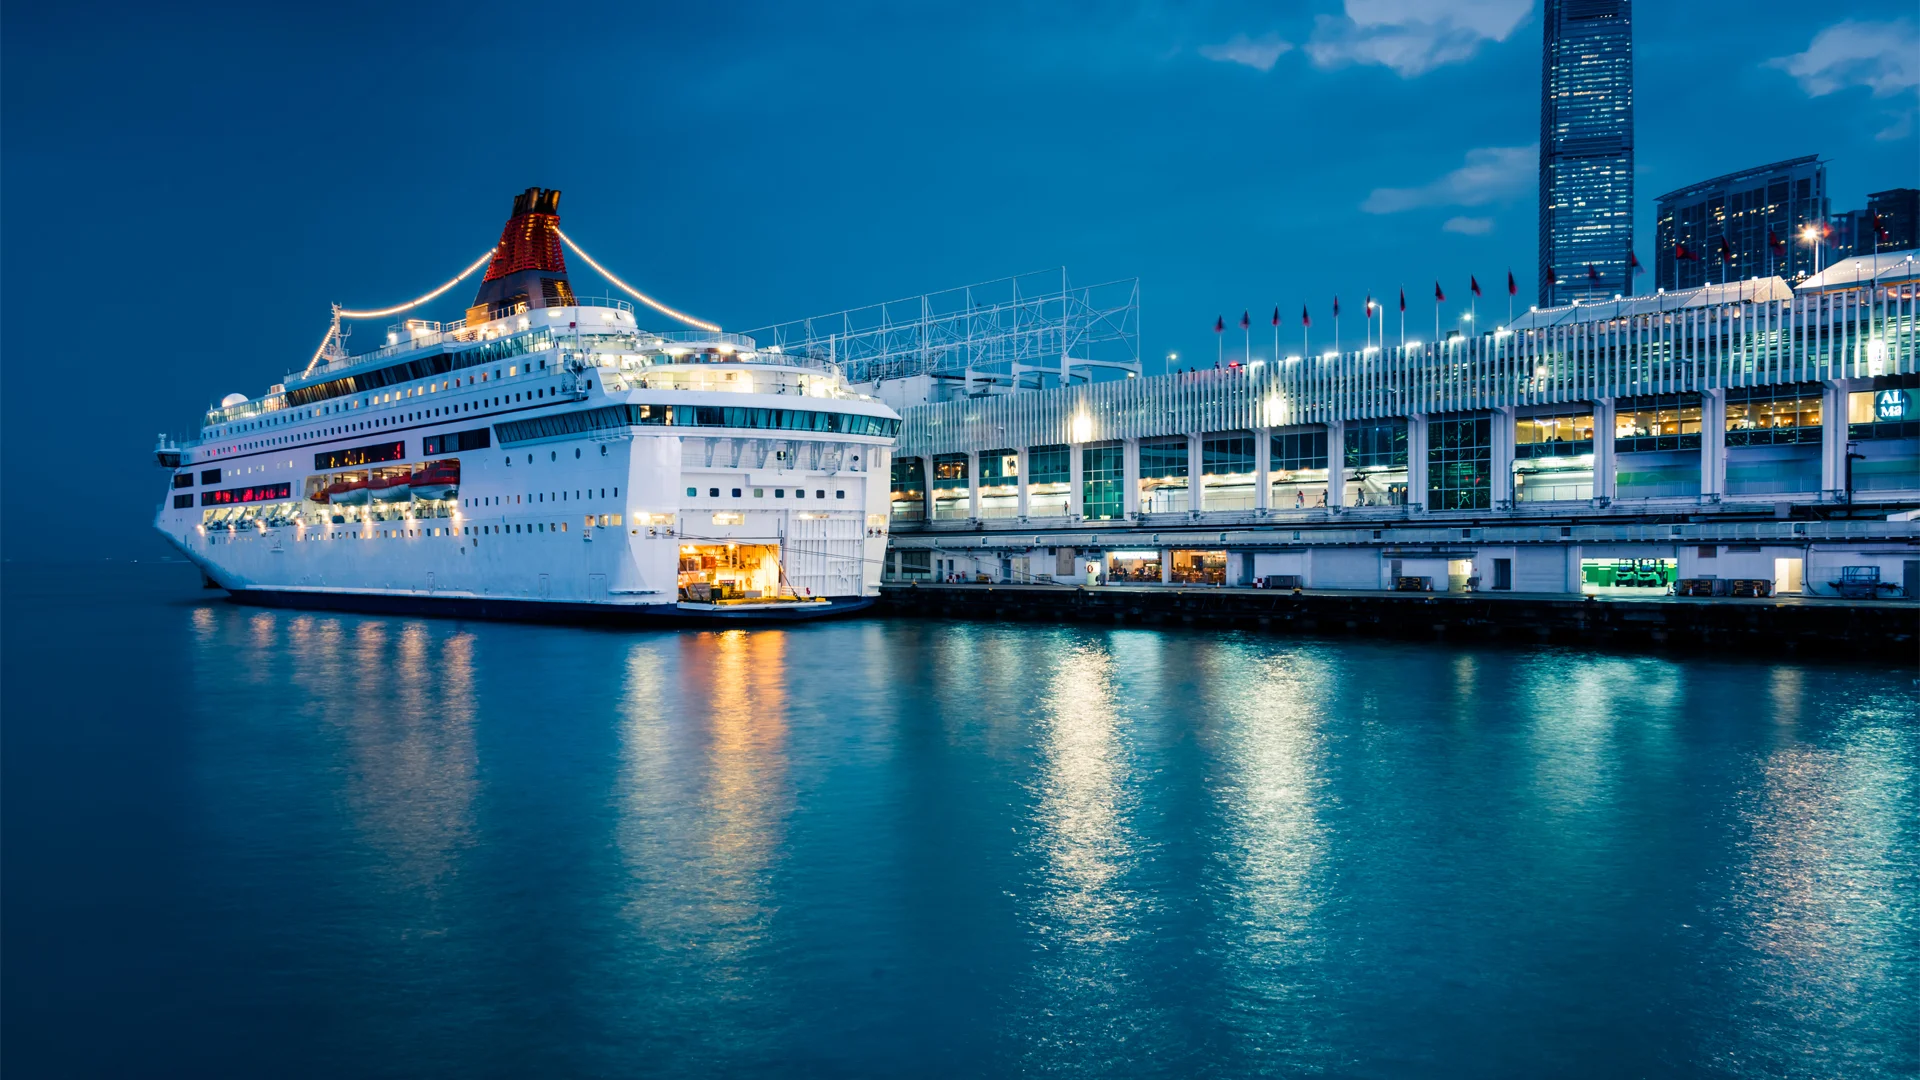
(839, 494)
(759, 493)
(576, 452)
(736, 493)
(819, 494)
(182, 502)
(713, 493)
(183, 480)
(691, 492)
(210, 476)
(799, 493)
(779, 493)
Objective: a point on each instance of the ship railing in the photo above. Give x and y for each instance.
(433, 333)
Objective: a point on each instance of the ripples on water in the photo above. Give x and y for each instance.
(255, 841)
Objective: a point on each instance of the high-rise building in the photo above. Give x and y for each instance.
(1891, 222)
(1752, 223)
(1586, 151)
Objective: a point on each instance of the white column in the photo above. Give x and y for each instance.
(1262, 466)
(926, 493)
(1020, 505)
(1833, 440)
(1574, 577)
(1501, 483)
(1417, 461)
(1194, 467)
(1336, 465)
(1076, 480)
(1606, 464)
(1130, 495)
(1713, 444)
(973, 485)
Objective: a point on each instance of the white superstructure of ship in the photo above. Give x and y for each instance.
(545, 457)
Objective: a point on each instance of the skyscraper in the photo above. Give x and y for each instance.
(1891, 222)
(1586, 151)
(1752, 223)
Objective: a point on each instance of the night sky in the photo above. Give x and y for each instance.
(186, 188)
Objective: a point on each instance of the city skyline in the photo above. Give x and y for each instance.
(748, 172)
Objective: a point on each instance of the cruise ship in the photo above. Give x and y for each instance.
(543, 458)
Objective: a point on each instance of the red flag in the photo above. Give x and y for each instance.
(1276, 314)
(1592, 274)
(1369, 308)
(1220, 324)
(1439, 297)
(1684, 254)
(1552, 278)
(1726, 253)
(1633, 262)
(1474, 284)
(1336, 307)
(1774, 241)
(1305, 319)
(1403, 301)
(1513, 289)
(1246, 319)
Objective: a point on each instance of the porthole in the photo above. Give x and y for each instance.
(509, 461)
(529, 459)
(553, 455)
(576, 451)
(603, 449)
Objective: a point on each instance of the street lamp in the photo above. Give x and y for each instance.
(1811, 235)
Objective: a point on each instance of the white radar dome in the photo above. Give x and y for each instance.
(231, 400)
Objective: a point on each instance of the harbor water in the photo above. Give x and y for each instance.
(251, 842)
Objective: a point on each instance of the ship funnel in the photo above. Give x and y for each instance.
(528, 268)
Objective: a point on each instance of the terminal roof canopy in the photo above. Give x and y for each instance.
(1857, 270)
(1750, 291)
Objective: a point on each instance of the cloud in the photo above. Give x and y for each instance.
(1901, 127)
(1260, 54)
(1471, 226)
(1883, 56)
(1412, 36)
(1491, 173)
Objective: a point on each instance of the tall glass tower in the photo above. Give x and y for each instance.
(1586, 151)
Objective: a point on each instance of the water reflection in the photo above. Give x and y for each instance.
(1273, 796)
(705, 799)
(1084, 1005)
(394, 700)
(1190, 854)
(1822, 875)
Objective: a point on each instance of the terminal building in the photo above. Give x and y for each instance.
(1752, 432)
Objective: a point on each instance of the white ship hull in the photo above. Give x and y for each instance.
(580, 525)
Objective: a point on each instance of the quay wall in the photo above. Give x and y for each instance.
(1877, 631)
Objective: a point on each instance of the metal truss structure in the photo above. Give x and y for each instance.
(1029, 331)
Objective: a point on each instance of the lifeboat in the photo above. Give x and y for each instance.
(347, 489)
(436, 479)
(391, 487)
